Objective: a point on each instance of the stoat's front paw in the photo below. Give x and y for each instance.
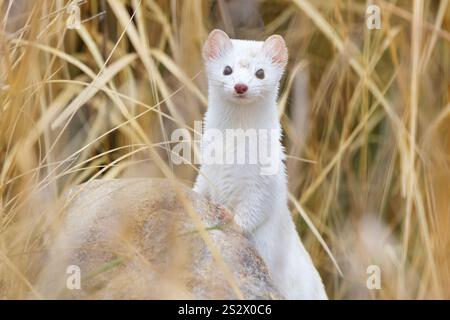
(224, 215)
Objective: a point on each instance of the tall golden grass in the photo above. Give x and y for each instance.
(369, 110)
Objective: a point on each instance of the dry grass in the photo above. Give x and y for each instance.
(371, 109)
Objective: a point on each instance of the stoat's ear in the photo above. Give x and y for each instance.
(218, 42)
(275, 48)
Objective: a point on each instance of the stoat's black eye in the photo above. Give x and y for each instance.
(260, 74)
(227, 71)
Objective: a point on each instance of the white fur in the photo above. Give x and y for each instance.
(259, 202)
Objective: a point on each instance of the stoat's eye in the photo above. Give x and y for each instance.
(260, 74)
(227, 71)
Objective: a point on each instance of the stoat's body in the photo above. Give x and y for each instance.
(241, 96)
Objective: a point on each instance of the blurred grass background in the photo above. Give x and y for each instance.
(369, 110)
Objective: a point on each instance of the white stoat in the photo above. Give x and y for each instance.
(243, 78)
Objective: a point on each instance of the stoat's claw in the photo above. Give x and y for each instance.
(224, 215)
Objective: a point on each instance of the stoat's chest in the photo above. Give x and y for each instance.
(231, 183)
(241, 152)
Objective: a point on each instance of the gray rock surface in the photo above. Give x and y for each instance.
(137, 239)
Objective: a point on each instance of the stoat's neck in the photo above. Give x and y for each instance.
(263, 114)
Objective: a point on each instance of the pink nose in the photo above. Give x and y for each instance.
(240, 88)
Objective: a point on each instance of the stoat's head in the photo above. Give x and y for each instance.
(244, 71)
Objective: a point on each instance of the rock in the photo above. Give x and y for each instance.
(136, 239)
